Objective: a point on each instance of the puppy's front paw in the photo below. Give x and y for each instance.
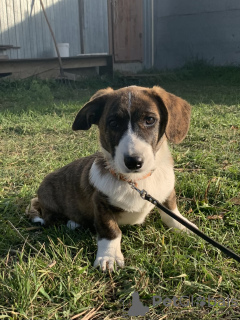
(174, 224)
(107, 262)
(109, 253)
(178, 227)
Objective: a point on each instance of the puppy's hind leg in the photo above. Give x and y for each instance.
(33, 212)
(72, 225)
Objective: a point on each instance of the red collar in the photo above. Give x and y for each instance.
(120, 176)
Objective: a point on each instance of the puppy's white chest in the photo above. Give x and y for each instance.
(135, 208)
(121, 195)
(134, 217)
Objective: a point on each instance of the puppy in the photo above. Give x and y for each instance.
(135, 125)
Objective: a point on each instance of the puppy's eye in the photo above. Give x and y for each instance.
(113, 124)
(149, 121)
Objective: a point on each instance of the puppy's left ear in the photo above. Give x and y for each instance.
(92, 111)
(178, 113)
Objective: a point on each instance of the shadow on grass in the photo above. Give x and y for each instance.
(198, 83)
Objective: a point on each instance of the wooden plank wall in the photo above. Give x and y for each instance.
(22, 24)
(128, 30)
(95, 29)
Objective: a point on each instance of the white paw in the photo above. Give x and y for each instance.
(109, 263)
(109, 254)
(172, 223)
(72, 225)
(38, 220)
(178, 227)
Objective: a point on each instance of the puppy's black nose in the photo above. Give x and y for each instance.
(133, 162)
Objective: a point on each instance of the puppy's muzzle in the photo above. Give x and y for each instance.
(133, 162)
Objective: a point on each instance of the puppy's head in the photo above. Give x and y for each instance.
(132, 122)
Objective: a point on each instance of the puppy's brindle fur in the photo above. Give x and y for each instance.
(133, 122)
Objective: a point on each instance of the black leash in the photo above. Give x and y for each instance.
(144, 195)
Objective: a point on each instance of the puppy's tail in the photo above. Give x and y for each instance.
(33, 211)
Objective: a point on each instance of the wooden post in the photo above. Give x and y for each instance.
(110, 27)
(81, 25)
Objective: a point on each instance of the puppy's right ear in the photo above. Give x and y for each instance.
(101, 92)
(92, 111)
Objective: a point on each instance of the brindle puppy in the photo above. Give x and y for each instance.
(134, 126)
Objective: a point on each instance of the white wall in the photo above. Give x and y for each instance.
(23, 24)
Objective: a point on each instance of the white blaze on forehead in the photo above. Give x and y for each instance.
(129, 109)
(132, 145)
(129, 102)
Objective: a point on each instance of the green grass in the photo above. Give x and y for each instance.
(48, 273)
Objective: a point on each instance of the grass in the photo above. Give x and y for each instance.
(48, 273)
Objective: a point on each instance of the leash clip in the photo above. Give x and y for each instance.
(142, 192)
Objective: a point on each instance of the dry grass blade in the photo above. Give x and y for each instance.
(88, 316)
(25, 240)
